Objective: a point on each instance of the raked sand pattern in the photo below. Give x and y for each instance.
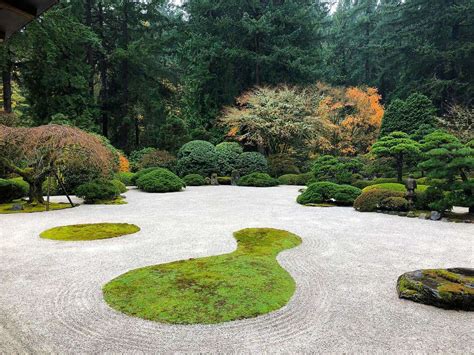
(345, 269)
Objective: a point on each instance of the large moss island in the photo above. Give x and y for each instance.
(243, 284)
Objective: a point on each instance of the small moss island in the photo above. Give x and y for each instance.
(25, 207)
(82, 232)
(245, 283)
(444, 288)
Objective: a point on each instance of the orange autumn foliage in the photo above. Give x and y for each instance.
(124, 164)
(356, 116)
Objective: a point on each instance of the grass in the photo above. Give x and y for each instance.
(243, 284)
(80, 232)
(117, 201)
(6, 208)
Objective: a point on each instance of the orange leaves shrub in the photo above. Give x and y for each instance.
(124, 164)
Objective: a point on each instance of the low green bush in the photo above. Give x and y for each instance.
(251, 162)
(328, 192)
(119, 185)
(295, 179)
(224, 180)
(160, 180)
(370, 201)
(194, 180)
(197, 157)
(125, 178)
(394, 203)
(22, 184)
(258, 180)
(139, 174)
(97, 191)
(394, 187)
(10, 190)
(227, 155)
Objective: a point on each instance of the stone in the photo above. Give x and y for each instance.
(17, 207)
(235, 177)
(411, 214)
(214, 180)
(208, 180)
(443, 288)
(435, 216)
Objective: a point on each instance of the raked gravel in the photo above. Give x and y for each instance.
(346, 271)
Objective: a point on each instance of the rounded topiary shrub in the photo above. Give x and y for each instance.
(258, 180)
(295, 179)
(197, 157)
(194, 180)
(160, 180)
(398, 204)
(97, 191)
(370, 201)
(393, 187)
(328, 192)
(139, 174)
(227, 154)
(251, 162)
(11, 190)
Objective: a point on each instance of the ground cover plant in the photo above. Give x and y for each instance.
(258, 180)
(328, 192)
(8, 208)
(243, 284)
(82, 232)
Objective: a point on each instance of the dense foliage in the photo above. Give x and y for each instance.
(160, 180)
(194, 180)
(227, 155)
(97, 191)
(258, 180)
(336, 169)
(328, 192)
(10, 190)
(375, 199)
(251, 162)
(197, 157)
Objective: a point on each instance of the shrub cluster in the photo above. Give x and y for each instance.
(258, 180)
(251, 162)
(373, 200)
(97, 190)
(119, 185)
(295, 179)
(328, 192)
(336, 169)
(139, 174)
(194, 180)
(197, 157)
(282, 164)
(224, 180)
(11, 190)
(227, 154)
(160, 180)
(157, 159)
(393, 187)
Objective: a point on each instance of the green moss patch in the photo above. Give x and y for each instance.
(7, 208)
(95, 231)
(243, 284)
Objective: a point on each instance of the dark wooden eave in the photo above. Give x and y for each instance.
(15, 14)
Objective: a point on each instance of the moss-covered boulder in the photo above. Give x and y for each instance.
(444, 288)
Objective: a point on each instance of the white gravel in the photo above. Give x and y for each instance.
(345, 270)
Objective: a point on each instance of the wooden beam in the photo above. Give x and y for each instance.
(28, 13)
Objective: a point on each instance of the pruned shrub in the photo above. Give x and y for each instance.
(10, 190)
(393, 187)
(258, 180)
(224, 180)
(125, 178)
(336, 169)
(97, 191)
(251, 162)
(119, 185)
(227, 154)
(398, 204)
(194, 180)
(160, 180)
(370, 201)
(197, 157)
(139, 174)
(328, 192)
(295, 179)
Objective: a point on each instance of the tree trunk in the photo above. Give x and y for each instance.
(104, 90)
(7, 87)
(35, 195)
(89, 53)
(400, 168)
